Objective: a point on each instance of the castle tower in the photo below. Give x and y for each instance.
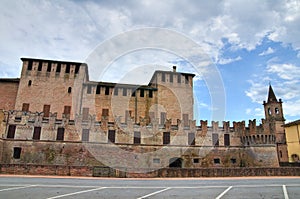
(274, 121)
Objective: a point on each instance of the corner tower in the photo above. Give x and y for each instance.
(273, 124)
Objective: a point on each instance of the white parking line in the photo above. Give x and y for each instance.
(285, 193)
(151, 194)
(75, 193)
(223, 193)
(15, 188)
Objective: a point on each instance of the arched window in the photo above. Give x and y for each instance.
(295, 157)
(269, 111)
(69, 90)
(29, 83)
(276, 111)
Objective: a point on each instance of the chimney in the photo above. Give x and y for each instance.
(174, 69)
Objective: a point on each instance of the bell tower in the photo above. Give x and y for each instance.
(273, 124)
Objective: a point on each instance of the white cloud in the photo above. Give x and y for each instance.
(224, 61)
(285, 71)
(267, 52)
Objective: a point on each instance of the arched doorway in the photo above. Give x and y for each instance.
(175, 163)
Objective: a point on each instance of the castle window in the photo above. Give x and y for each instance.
(133, 93)
(68, 68)
(166, 138)
(29, 67)
(150, 93)
(179, 78)
(36, 133)
(46, 110)
(124, 91)
(29, 83)
(11, 131)
(85, 113)
(69, 90)
(163, 77)
(58, 68)
(60, 134)
(226, 140)
(85, 135)
(215, 139)
(196, 160)
(137, 137)
(112, 136)
(171, 77)
(17, 152)
(49, 67)
(142, 93)
(98, 89)
(25, 107)
(217, 161)
(77, 69)
(276, 111)
(67, 111)
(156, 160)
(104, 112)
(233, 161)
(191, 139)
(116, 90)
(89, 89)
(106, 90)
(269, 111)
(40, 66)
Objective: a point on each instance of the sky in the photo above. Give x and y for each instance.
(240, 46)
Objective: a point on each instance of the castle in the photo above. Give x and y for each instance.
(54, 115)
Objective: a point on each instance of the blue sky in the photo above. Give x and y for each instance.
(251, 43)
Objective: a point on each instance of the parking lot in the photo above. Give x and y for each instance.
(56, 187)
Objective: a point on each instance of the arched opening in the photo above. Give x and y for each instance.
(175, 163)
(69, 90)
(269, 111)
(29, 83)
(276, 111)
(295, 158)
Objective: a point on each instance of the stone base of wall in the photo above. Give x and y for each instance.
(60, 170)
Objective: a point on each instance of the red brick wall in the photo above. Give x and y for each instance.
(8, 94)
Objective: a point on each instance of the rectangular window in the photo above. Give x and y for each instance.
(85, 113)
(186, 79)
(46, 110)
(185, 118)
(104, 112)
(36, 133)
(89, 89)
(116, 90)
(58, 68)
(163, 116)
(11, 131)
(25, 107)
(124, 91)
(106, 90)
(98, 89)
(196, 160)
(233, 161)
(179, 78)
(85, 135)
(17, 152)
(166, 138)
(137, 137)
(150, 93)
(171, 78)
(112, 136)
(60, 134)
(40, 66)
(67, 111)
(163, 77)
(68, 68)
(215, 139)
(191, 139)
(226, 140)
(217, 161)
(49, 67)
(29, 67)
(133, 93)
(142, 93)
(156, 160)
